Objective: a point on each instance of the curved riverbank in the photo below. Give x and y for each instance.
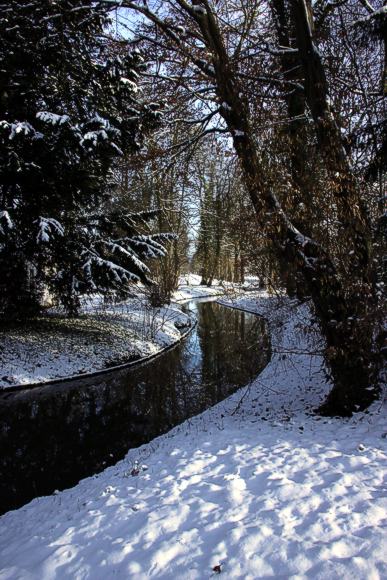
(53, 435)
(54, 349)
(256, 484)
(95, 374)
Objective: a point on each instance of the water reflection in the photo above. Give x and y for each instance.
(53, 436)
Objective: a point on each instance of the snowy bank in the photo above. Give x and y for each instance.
(256, 485)
(190, 287)
(103, 337)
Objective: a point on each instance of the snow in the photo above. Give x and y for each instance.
(132, 85)
(190, 288)
(19, 127)
(46, 227)
(94, 136)
(256, 485)
(199, 10)
(6, 218)
(105, 336)
(52, 118)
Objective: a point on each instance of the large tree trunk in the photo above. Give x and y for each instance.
(343, 303)
(351, 210)
(359, 272)
(295, 99)
(342, 319)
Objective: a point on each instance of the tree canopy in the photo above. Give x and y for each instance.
(69, 107)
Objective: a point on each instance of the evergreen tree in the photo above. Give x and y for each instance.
(68, 110)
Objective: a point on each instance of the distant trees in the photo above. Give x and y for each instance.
(279, 81)
(214, 181)
(158, 179)
(224, 232)
(69, 108)
(259, 71)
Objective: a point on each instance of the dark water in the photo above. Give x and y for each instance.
(52, 436)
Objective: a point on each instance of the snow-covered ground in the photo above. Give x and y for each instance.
(190, 288)
(105, 336)
(256, 487)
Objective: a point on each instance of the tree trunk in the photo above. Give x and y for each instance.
(352, 214)
(356, 327)
(342, 320)
(19, 292)
(343, 303)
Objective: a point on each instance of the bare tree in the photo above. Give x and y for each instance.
(217, 55)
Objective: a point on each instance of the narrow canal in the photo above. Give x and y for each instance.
(54, 435)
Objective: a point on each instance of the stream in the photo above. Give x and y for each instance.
(53, 435)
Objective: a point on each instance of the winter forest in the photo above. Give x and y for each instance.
(193, 271)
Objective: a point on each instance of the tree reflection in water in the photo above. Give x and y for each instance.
(52, 436)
